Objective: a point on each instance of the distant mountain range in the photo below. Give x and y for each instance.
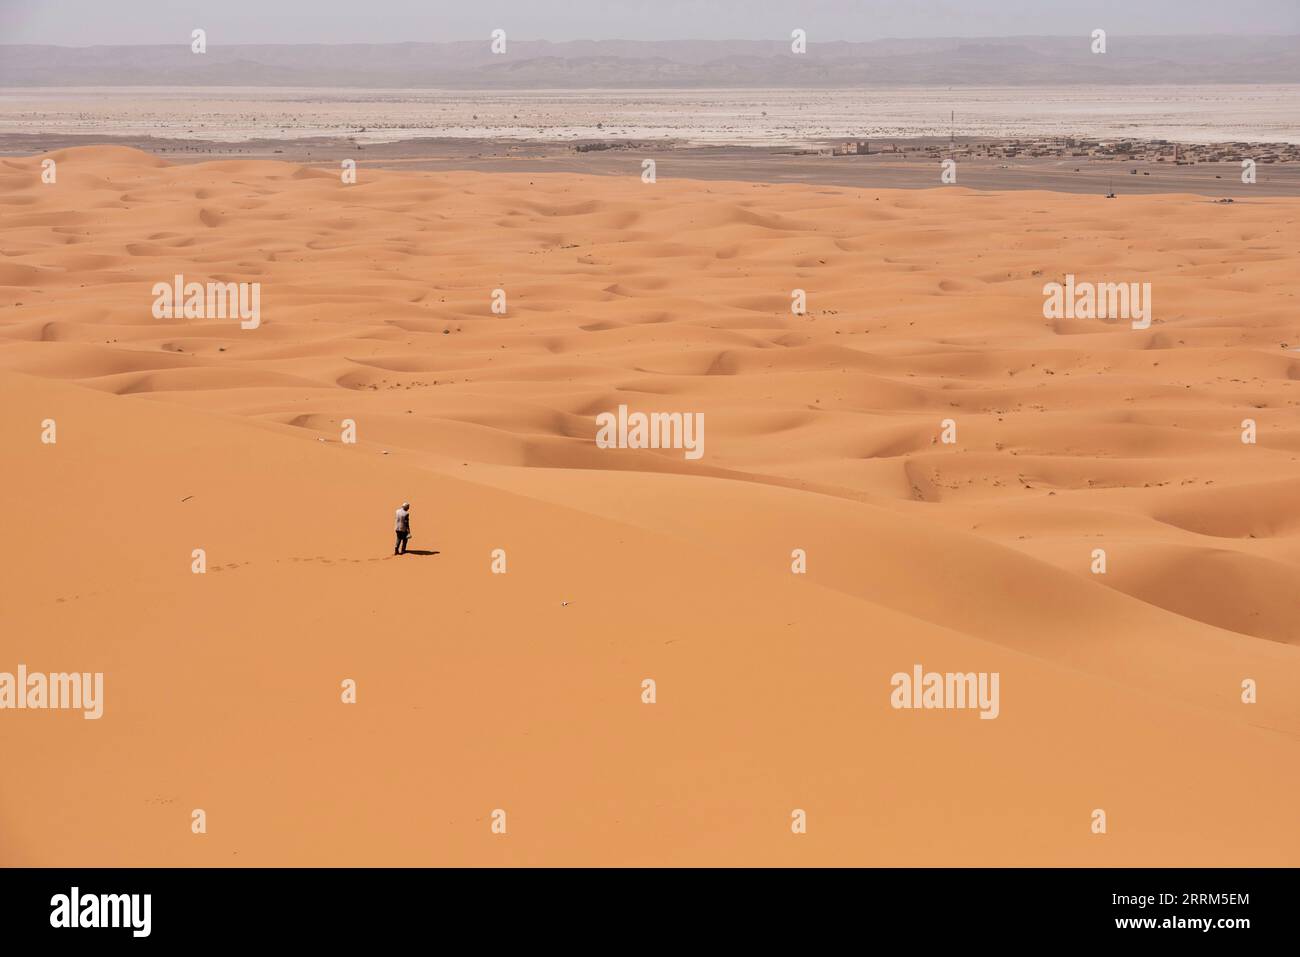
(627, 64)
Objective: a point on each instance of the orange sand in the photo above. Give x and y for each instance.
(479, 691)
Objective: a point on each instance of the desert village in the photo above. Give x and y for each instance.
(1065, 147)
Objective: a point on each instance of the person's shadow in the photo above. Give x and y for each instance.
(419, 551)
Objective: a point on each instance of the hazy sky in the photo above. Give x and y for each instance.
(87, 22)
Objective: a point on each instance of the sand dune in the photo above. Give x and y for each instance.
(824, 432)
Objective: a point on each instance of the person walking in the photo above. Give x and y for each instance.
(403, 528)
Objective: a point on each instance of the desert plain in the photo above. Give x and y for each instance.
(479, 691)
